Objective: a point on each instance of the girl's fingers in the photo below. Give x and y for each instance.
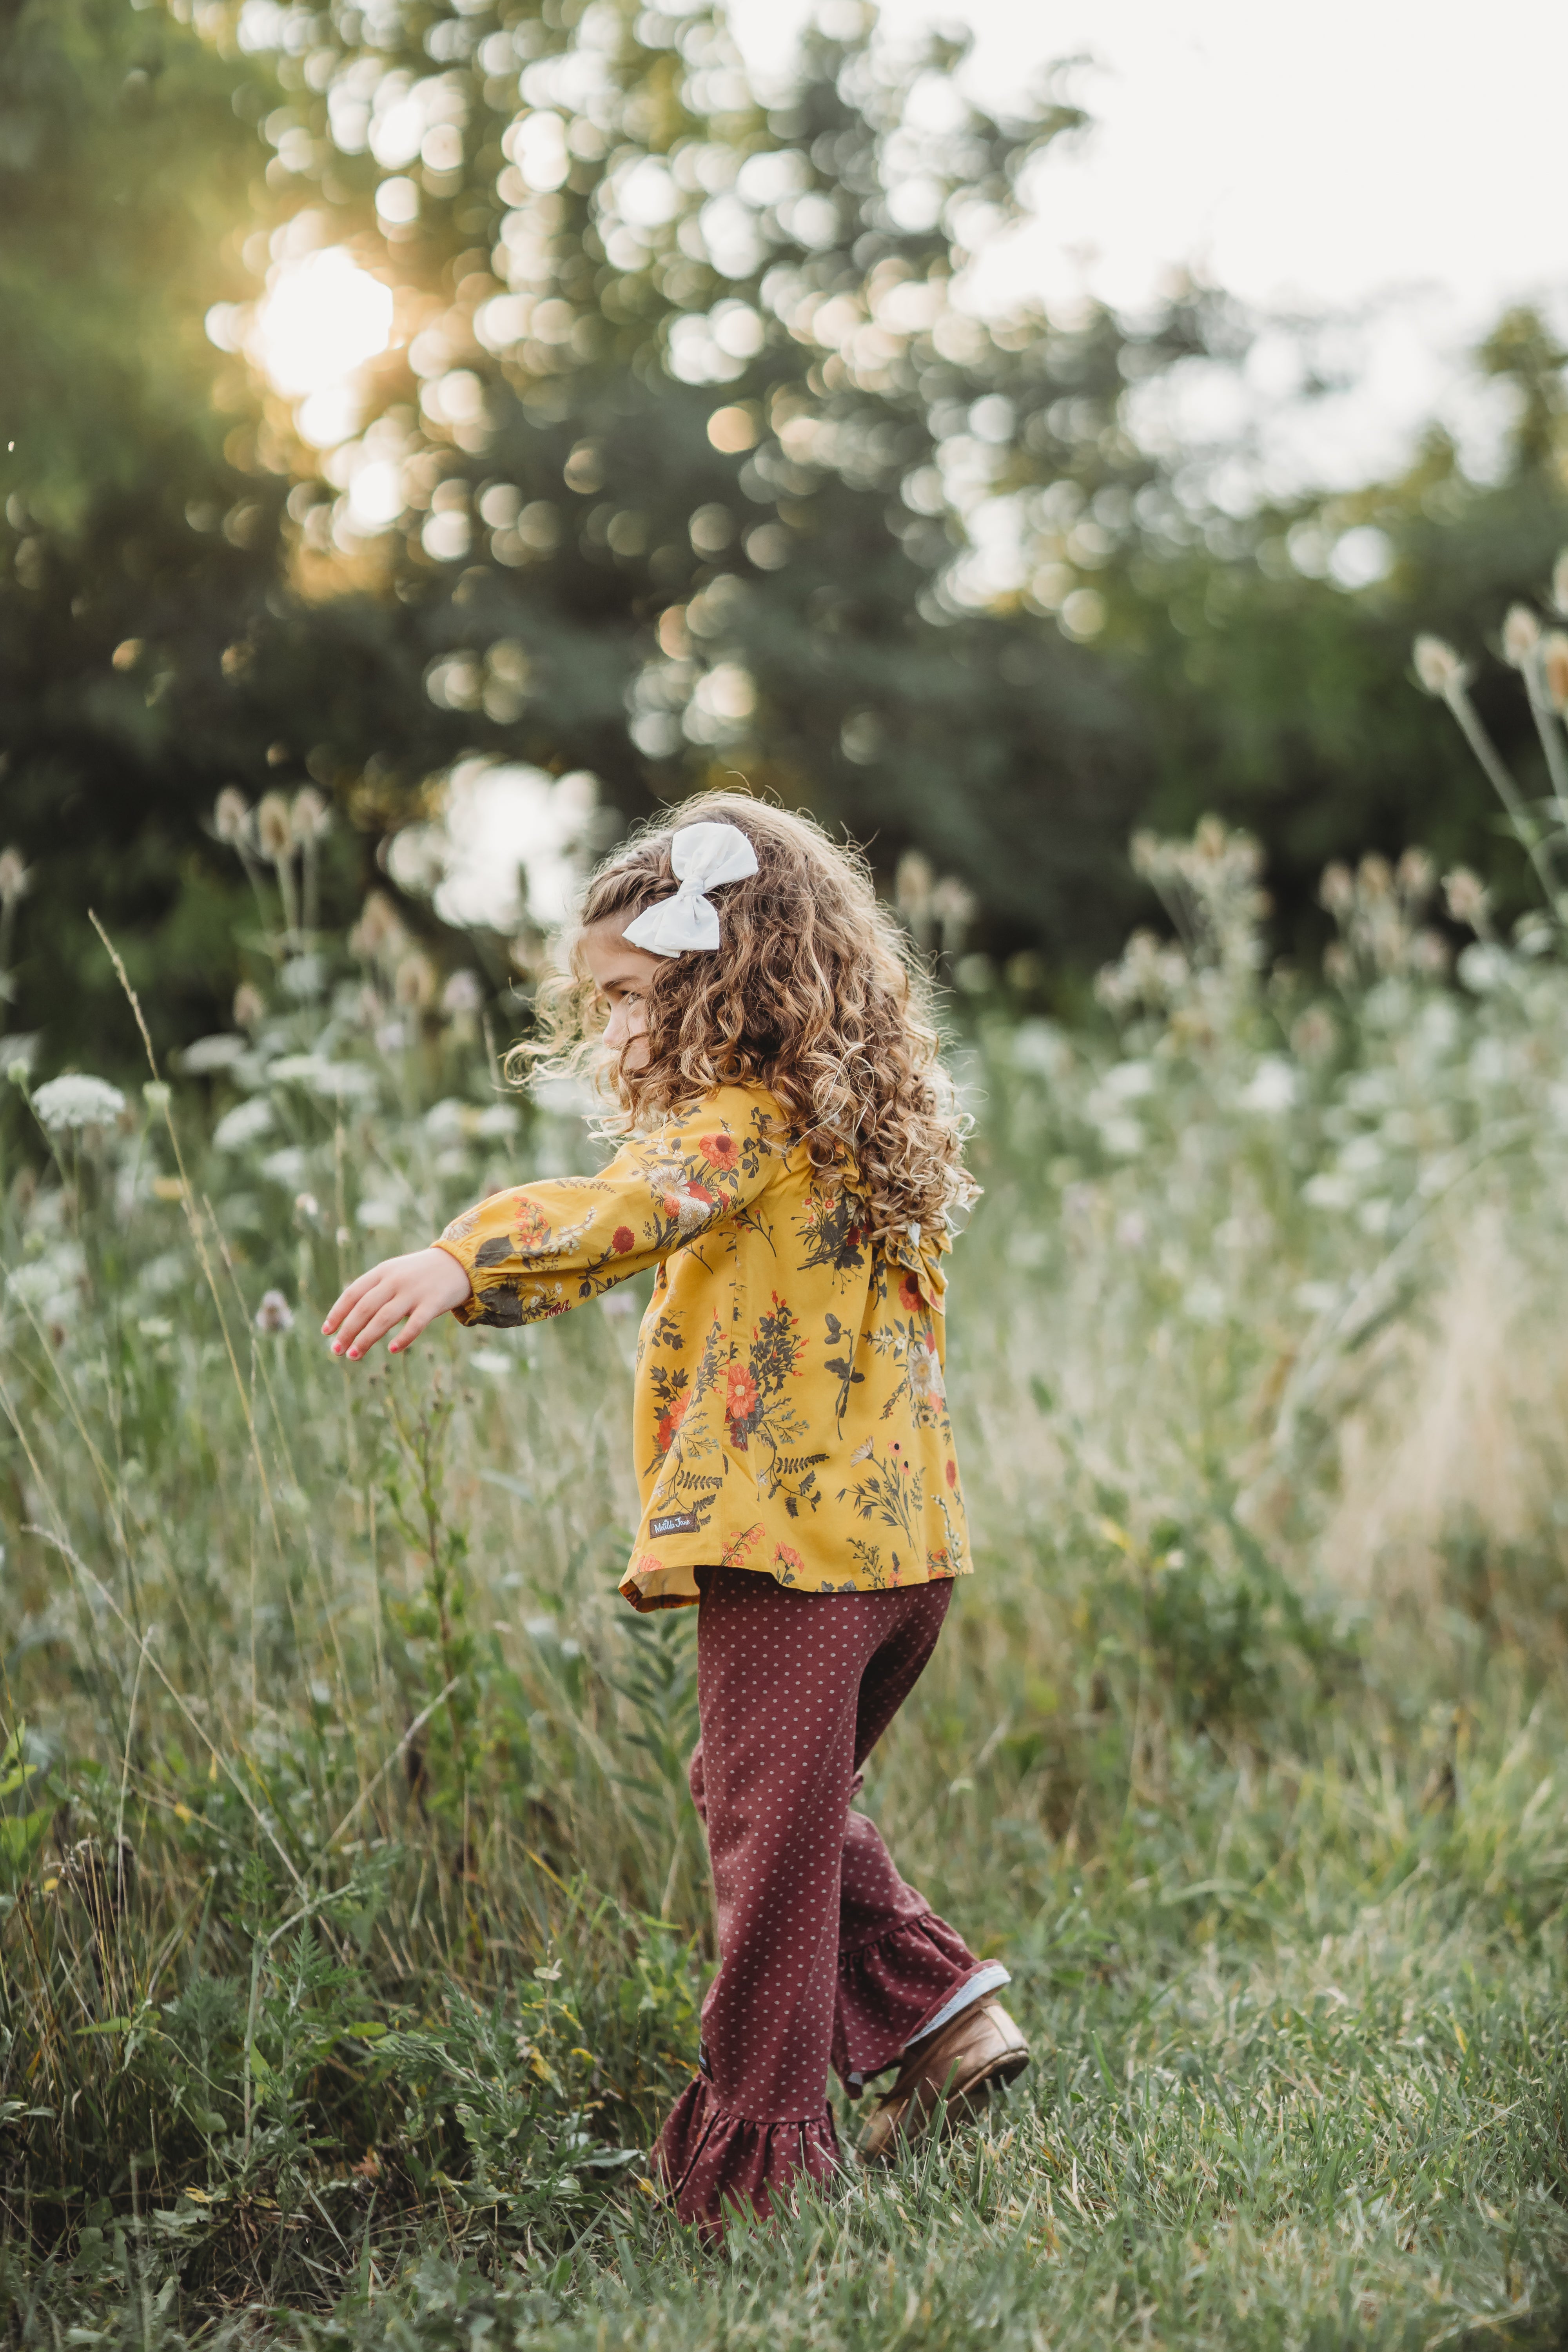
(345, 1299)
(416, 1322)
(385, 1318)
(369, 1303)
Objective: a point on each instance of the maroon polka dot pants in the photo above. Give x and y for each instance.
(825, 1955)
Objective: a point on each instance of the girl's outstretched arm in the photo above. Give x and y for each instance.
(411, 1290)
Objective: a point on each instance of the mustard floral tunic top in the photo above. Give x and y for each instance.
(790, 1414)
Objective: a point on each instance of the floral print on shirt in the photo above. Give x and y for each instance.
(790, 1411)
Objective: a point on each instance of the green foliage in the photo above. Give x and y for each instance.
(354, 1916)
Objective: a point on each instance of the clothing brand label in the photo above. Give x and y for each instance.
(675, 1523)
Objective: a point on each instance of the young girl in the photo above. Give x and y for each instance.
(788, 1158)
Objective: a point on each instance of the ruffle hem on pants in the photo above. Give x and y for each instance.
(891, 1989)
(713, 2163)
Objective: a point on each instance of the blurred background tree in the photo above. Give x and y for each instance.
(676, 456)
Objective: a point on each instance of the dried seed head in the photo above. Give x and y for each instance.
(1336, 891)
(414, 986)
(1559, 584)
(103, 1881)
(231, 816)
(913, 884)
(1374, 876)
(249, 1005)
(1438, 666)
(1520, 635)
(1415, 876)
(1554, 668)
(1315, 1035)
(274, 829)
(311, 816)
(378, 932)
(1465, 896)
(15, 878)
(274, 1314)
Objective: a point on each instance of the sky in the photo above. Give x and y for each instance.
(1395, 158)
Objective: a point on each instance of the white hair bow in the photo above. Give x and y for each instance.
(702, 855)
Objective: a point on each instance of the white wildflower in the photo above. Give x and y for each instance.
(499, 1123)
(16, 879)
(379, 1216)
(274, 1314)
(242, 1125)
(286, 1167)
(334, 1081)
(462, 995)
(77, 1100)
(1272, 1087)
(205, 1055)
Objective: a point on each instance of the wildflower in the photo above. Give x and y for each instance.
(1520, 635)
(244, 1125)
(1466, 897)
(1554, 668)
(1559, 584)
(231, 816)
(156, 1095)
(462, 995)
(16, 879)
(273, 827)
(1438, 666)
(249, 1005)
(76, 1101)
(274, 1314)
(309, 818)
(205, 1055)
(307, 1207)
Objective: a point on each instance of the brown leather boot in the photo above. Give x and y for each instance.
(980, 2047)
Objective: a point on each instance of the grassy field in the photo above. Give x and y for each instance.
(355, 1913)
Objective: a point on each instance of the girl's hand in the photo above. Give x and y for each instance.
(412, 1290)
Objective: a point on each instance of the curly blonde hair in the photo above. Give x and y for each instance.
(814, 994)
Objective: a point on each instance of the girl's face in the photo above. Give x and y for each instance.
(623, 975)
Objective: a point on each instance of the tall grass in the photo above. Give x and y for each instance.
(355, 1916)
